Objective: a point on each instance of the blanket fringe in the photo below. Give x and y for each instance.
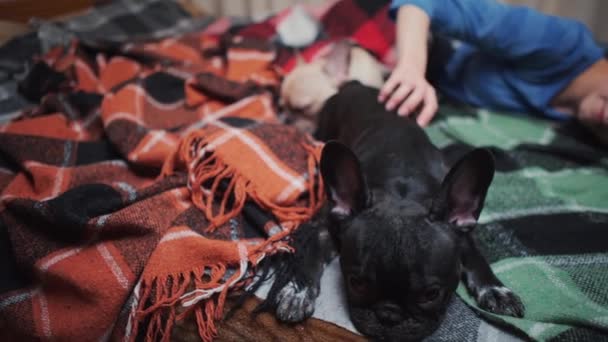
(200, 293)
(220, 192)
(211, 181)
(161, 296)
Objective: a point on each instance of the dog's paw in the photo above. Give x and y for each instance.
(500, 300)
(295, 303)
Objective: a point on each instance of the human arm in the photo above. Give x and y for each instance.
(503, 30)
(544, 49)
(478, 22)
(407, 88)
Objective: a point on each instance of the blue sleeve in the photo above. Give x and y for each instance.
(426, 5)
(507, 31)
(480, 22)
(486, 24)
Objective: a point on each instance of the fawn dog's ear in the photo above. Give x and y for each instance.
(337, 62)
(299, 58)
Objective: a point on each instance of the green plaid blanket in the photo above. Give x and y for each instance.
(544, 227)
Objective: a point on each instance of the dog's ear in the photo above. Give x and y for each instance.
(343, 180)
(464, 190)
(337, 62)
(299, 58)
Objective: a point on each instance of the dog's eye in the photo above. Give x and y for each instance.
(430, 295)
(357, 284)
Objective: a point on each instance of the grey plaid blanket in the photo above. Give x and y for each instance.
(544, 226)
(118, 22)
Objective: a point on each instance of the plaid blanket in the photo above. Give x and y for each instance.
(543, 226)
(118, 22)
(146, 184)
(144, 181)
(114, 161)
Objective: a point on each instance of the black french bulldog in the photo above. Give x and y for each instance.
(400, 219)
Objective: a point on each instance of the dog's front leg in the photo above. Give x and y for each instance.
(297, 279)
(489, 292)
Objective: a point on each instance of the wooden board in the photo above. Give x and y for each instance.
(23, 10)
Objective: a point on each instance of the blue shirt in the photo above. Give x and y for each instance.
(511, 57)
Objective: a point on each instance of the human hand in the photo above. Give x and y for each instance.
(407, 90)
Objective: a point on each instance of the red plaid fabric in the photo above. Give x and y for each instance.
(152, 178)
(94, 227)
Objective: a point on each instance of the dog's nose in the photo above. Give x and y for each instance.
(389, 314)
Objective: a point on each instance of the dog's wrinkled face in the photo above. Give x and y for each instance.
(306, 88)
(400, 274)
(401, 259)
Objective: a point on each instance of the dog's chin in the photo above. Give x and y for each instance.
(410, 329)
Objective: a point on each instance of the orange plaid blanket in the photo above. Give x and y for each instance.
(145, 186)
